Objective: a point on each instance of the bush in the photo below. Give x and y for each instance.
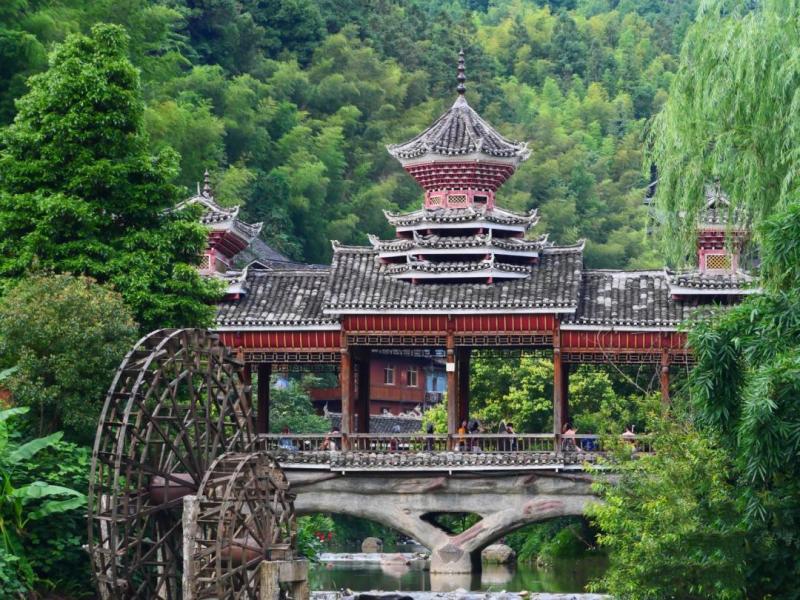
(65, 349)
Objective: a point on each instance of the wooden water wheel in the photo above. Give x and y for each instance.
(179, 401)
(245, 515)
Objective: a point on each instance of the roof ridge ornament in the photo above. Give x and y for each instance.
(461, 77)
(207, 185)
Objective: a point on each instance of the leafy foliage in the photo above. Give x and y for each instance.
(719, 506)
(295, 100)
(290, 406)
(671, 523)
(520, 390)
(65, 349)
(24, 503)
(80, 192)
(732, 113)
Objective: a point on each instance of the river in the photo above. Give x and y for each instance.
(568, 576)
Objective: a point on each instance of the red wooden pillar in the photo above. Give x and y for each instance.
(565, 416)
(262, 415)
(664, 378)
(363, 390)
(347, 384)
(560, 409)
(463, 356)
(452, 385)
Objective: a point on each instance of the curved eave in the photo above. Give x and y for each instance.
(438, 310)
(479, 275)
(611, 327)
(678, 290)
(461, 250)
(432, 157)
(300, 326)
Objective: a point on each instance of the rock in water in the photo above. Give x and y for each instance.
(372, 544)
(498, 554)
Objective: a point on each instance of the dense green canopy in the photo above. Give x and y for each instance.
(290, 103)
(81, 193)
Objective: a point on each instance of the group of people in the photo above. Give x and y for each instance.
(465, 442)
(570, 444)
(468, 438)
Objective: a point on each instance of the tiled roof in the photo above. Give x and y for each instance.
(708, 282)
(639, 299)
(379, 424)
(278, 298)
(260, 251)
(460, 130)
(461, 215)
(359, 282)
(717, 210)
(218, 217)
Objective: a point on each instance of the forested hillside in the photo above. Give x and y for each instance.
(289, 103)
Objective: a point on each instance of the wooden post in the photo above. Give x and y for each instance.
(363, 390)
(264, 376)
(462, 363)
(664, 378)
(452, 385)
(191, 507)
(558, 384)
(347, 384)
(565, 412)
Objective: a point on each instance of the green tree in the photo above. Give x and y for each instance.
(732, 114)
(670, 523)
(81, 194)
(290, 406)
(65, 335)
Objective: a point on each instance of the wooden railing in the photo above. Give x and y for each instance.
(420, 450)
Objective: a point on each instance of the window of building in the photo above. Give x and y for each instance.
(412, 377)
(480, 199)
(718, 262)
(457, 199)
(435, 201)
(388, 376)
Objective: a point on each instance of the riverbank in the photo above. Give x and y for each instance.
(456, 595)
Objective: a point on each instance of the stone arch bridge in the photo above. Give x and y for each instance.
(402, 500)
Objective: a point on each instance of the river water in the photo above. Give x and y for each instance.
(567, 576)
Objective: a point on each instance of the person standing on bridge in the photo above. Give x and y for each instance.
(511, 445)
(394, 442)
(568, 438)
(429, 438)
(461, 440)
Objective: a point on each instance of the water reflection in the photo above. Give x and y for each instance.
(449, 582)
(496, 575)
(564, 576)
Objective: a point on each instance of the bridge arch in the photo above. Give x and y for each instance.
(505, 502)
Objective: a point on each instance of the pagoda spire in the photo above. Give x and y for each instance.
(461, 77)
(207, 184)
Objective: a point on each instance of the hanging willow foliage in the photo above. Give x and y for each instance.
(733, 113)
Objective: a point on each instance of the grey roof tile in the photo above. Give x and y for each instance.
(360, 282)
(460, 130)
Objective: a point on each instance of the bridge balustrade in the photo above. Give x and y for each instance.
(439, 451)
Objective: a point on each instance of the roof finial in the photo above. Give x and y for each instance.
(206, 184)
(461, 78)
